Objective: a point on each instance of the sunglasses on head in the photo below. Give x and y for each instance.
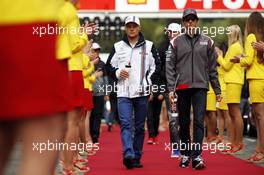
(190, 17)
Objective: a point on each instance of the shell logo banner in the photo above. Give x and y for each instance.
(136, 1)
(137, 6)
(171, 5)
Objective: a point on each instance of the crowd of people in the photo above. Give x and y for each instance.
(52, 87)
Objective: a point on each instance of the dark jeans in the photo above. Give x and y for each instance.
(245, 110)
(132, 129)
(153, 118)
(244, 107)
(114, 113)
(196, 98)
(96, 116)
(173, 124)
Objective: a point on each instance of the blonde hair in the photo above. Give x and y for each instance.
(234, 35)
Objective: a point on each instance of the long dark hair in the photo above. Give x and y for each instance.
(255, 25)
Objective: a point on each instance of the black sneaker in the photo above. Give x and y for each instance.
(109, 128)
(95, 139)
(198, 163)
(137, 163)
(128, 162)
(185, 161)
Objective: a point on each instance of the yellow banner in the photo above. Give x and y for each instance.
(137, 1)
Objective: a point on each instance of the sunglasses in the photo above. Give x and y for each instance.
(190, 17)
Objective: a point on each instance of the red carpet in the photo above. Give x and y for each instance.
(108, 160)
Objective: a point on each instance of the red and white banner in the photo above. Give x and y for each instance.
(247, 5)
(164, 5)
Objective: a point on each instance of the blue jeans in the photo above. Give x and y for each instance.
(132, 128)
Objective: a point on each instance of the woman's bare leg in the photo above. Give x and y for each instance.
(88, 137)
(72, 137)
(232, 124)
(44, 132)
(82, 127)
(211, 124)
(259, 114)
(221, 127)
(224, 123)
(237, 122)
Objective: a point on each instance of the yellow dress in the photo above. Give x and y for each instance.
(234, 76)
(255, 71)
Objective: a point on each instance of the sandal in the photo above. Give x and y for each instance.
(210, 139)
(82, 168)
(251, 158)
(228, 150)
(219, 140)
(238, 149)
(61, 163)
(259, 158)
(67, 171)
(83, 153)
(90, 152)
(80, 160)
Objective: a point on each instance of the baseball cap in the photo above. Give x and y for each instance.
(174, 27)
(187, 12)
(133, 19)
(95, 46)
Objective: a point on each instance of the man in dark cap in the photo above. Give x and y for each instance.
(192, 62)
